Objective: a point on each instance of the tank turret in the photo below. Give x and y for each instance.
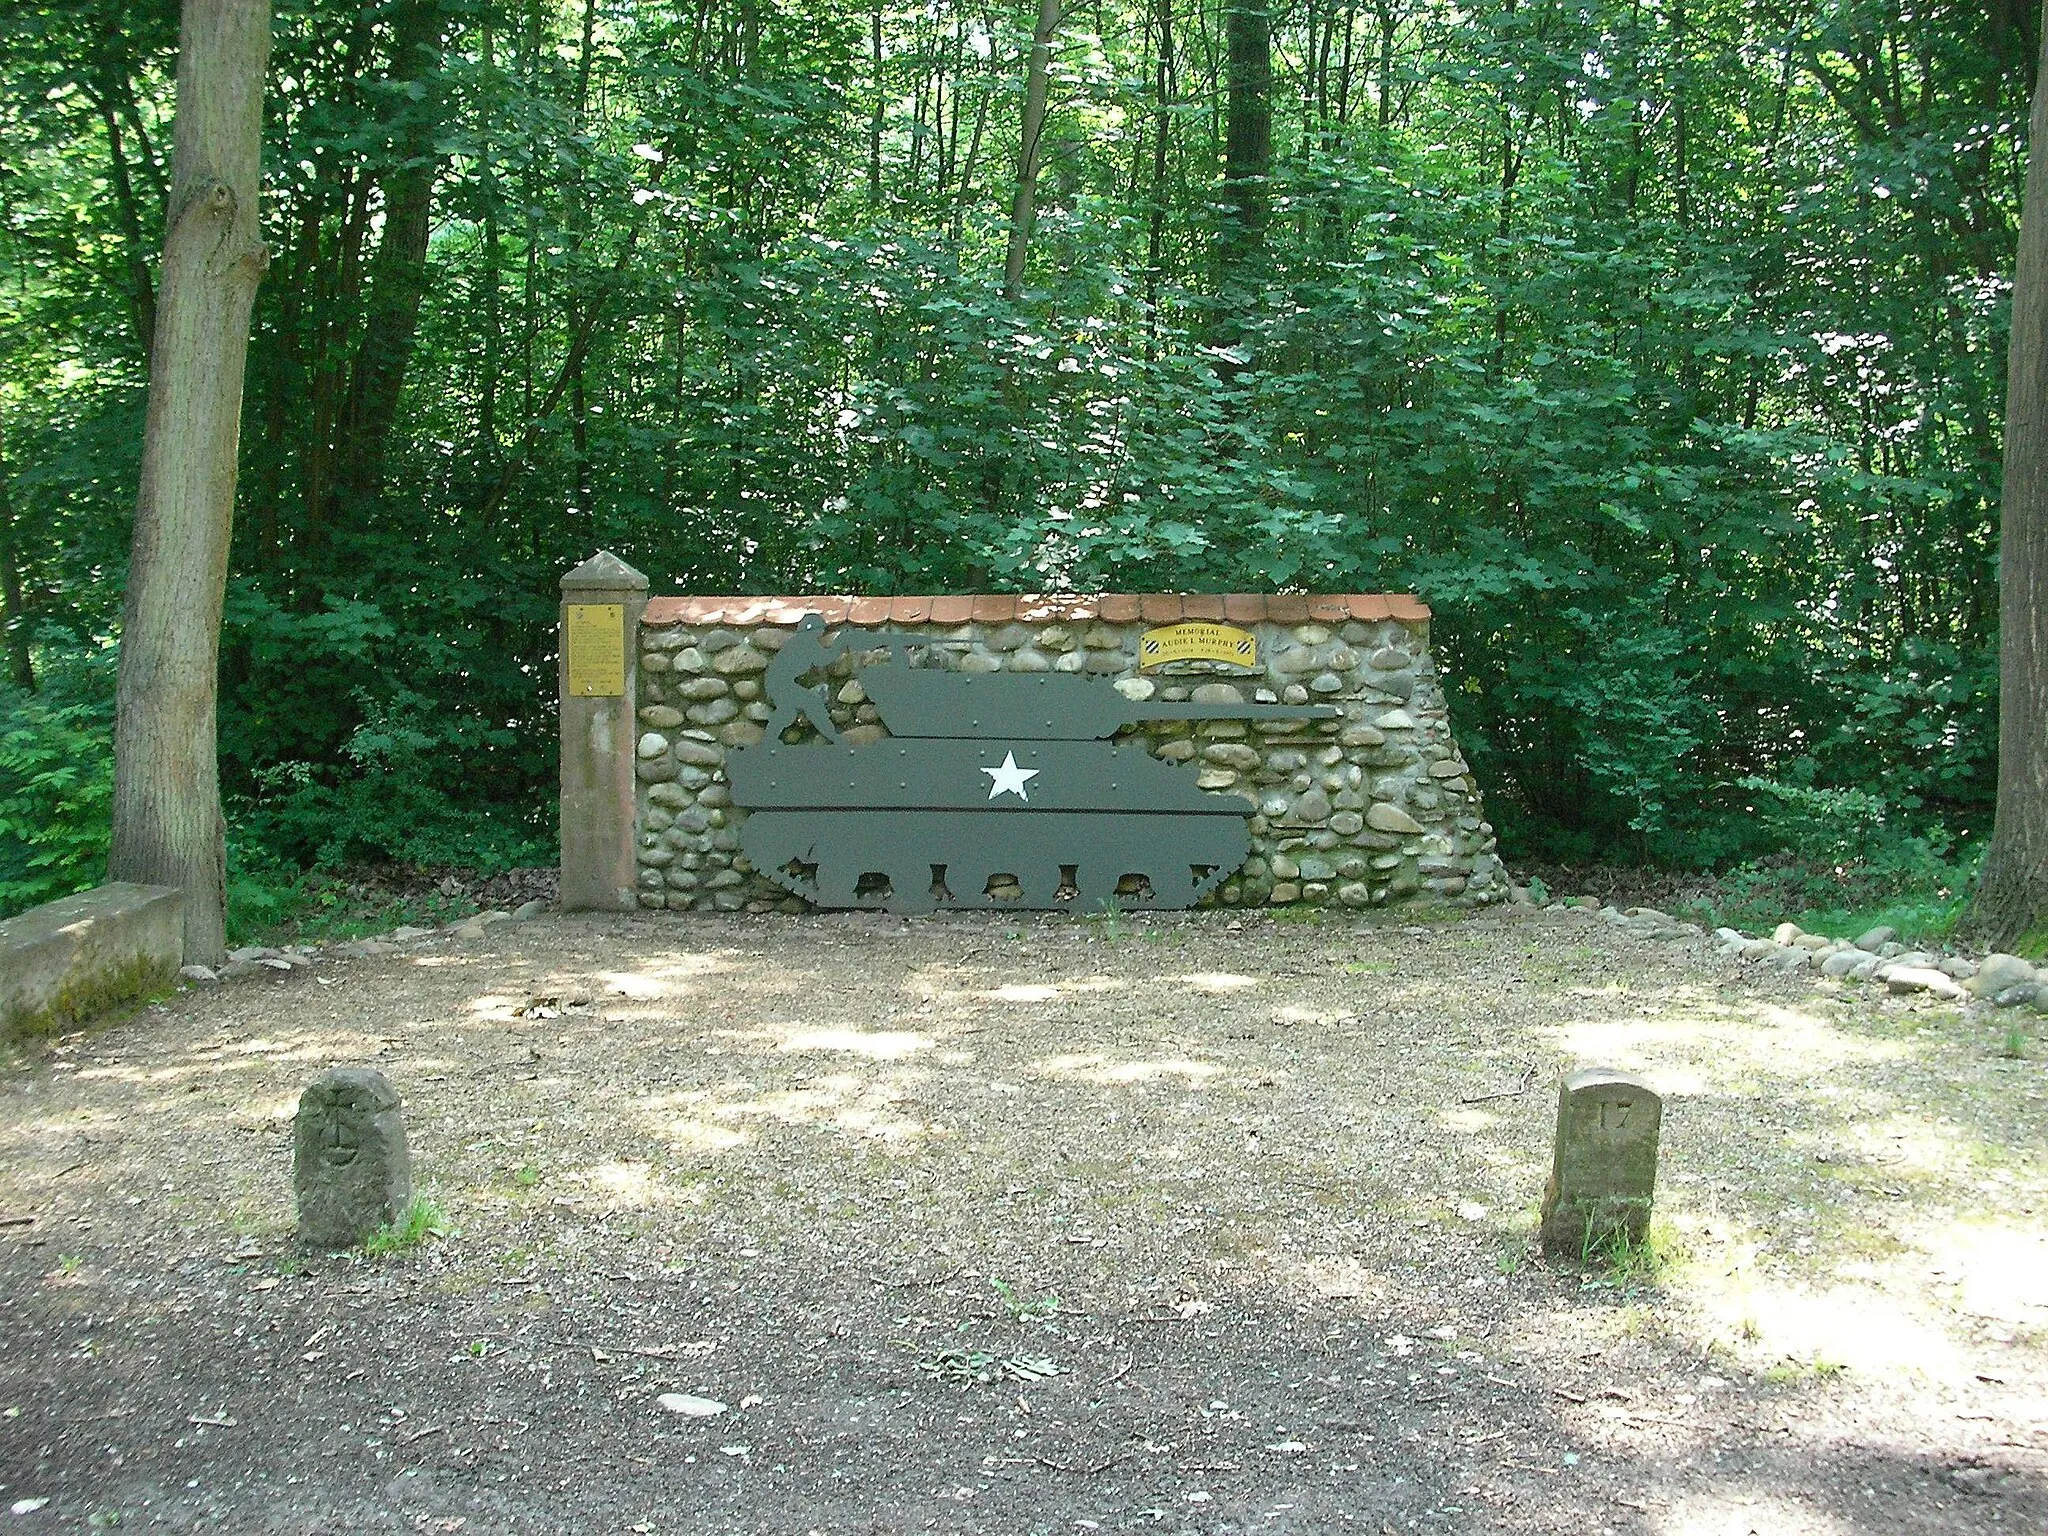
(981, 777)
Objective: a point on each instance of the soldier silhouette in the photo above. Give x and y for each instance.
(803, 652)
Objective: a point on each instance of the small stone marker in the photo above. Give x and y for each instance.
(1604, 1171)
(352, 1171)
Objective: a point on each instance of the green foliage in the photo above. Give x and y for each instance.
(56, 781)
(421, 1221)
(273, 901)
(1917, 885)
(1616, 1261)
(1657, 349)
(1023, 1307)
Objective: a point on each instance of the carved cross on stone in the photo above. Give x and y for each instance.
(350, 1165)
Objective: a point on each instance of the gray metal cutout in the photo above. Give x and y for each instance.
(984, 779)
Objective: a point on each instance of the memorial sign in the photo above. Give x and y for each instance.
(984, 778)
(595, 637)
(1198, 642)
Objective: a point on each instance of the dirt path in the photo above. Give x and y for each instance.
(1217, 1173)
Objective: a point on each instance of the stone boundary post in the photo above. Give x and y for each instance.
(598, 681)
(1603, 1175)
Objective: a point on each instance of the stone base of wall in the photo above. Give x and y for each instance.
(1372, 807)
(67, 960)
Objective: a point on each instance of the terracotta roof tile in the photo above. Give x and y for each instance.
(1038, 608)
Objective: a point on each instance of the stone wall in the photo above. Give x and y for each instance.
(67, 960)
(1374, 806)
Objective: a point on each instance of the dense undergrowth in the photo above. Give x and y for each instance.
(1656, 348)
(379, 839)
(1917, 886)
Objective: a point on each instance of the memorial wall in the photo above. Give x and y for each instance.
(980, 752)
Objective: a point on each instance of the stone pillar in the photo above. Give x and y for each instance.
(350, 1166)
(598, 678)
(1604, 1168)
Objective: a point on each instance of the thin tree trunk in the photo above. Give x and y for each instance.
(398, 272)
(968, 166)
(1681, 147)
(1155, 232)
(1247, 138)
(1390, 24)
(168, 828)
(579, 400)
(13, 618)
(494, 296)
(141, 291)
(2011, 905)
(1037, 86)
(875, 117)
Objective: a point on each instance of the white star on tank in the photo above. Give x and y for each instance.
(1009, 779)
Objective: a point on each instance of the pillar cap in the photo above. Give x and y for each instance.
(604, 572)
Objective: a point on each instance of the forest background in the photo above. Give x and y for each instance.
(1658, 344)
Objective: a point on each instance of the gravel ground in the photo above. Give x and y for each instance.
(1197, 1223)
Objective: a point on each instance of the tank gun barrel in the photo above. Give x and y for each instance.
(1149, 711)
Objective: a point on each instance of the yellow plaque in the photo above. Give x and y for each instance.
(1198, 642)
(595, 637)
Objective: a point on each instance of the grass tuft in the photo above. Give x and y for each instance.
(422, 1220)
(1109, 921)
(1613, 1259)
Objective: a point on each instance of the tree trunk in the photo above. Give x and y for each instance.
(13, 620)
(964, 188)
(1037, 86)
(1164, 86)
(2011, 905)
(875, 116)
(141, 291)
(1247, 138)
(397, 277)
(168, 828)
(493, 280)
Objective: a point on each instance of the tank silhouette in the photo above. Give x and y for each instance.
(983, 776)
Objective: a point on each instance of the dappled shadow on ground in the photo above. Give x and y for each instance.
(1261, 1197)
